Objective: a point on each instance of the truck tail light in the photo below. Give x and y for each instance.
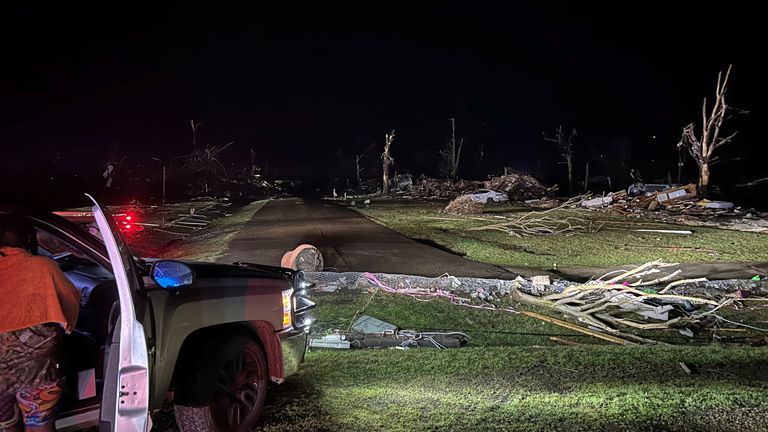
(287, 308)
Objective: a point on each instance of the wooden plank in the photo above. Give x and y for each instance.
(578, 328)
(565, 341)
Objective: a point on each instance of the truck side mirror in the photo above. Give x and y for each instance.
(172, 274)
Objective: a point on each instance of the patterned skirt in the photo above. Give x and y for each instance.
(29, 374)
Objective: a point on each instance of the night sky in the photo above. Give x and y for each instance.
(307, 85)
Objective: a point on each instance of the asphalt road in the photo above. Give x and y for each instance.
(351, 242)
(348, 241)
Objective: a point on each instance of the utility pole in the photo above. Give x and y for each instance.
(680, 160)
(162, 200)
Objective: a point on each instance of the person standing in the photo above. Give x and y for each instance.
(38, 304)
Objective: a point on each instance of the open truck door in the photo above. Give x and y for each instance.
(125, 398)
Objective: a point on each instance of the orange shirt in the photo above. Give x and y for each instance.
(33, 290)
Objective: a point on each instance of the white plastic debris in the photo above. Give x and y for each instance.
(597, 202)
(455, 282)
(540, 283)
(629, 302)
(333, 341)
(717, 204)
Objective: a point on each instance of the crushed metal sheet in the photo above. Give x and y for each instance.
(369, 324)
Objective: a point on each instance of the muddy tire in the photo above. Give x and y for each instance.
(236, 391)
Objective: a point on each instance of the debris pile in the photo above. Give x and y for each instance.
(518, 186)
(369, 332)
(403, 182)
(441, 188)
(637, 299)
(676, 205)
(619, 307)
(464, 205)
(671, 198)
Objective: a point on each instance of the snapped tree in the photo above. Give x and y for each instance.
(386, 161)
(360, 154)
(702, 147)
(451, 154)
(565, 144)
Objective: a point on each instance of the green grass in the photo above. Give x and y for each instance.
(511, 378)
(485, 328)
(206, 245)
(615, 244)
(336, 311)
(524, 388)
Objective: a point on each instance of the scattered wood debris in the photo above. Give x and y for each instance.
(676, 205)
(630, 308)
(578, 328)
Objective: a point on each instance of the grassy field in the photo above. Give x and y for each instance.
(511, 378)
(205, 245)
(616, 243)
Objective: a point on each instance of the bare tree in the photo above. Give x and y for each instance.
(204, 162)
(566, 146)
(386, 161)
(195, 126)
(702, 148)
(452, 154)
(360, 154)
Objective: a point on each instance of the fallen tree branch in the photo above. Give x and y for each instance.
(578, 328)
(682, 282)
(674, 248)
(601, 305)
(539, 223)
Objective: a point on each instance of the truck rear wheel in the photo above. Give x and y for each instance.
(236, 394)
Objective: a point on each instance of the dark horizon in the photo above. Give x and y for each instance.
(304, 87)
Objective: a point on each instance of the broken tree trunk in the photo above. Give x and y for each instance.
(704, 180)
(566, 146)
(357, 172)
(386, 161)
(454, 153)
(702, 147)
